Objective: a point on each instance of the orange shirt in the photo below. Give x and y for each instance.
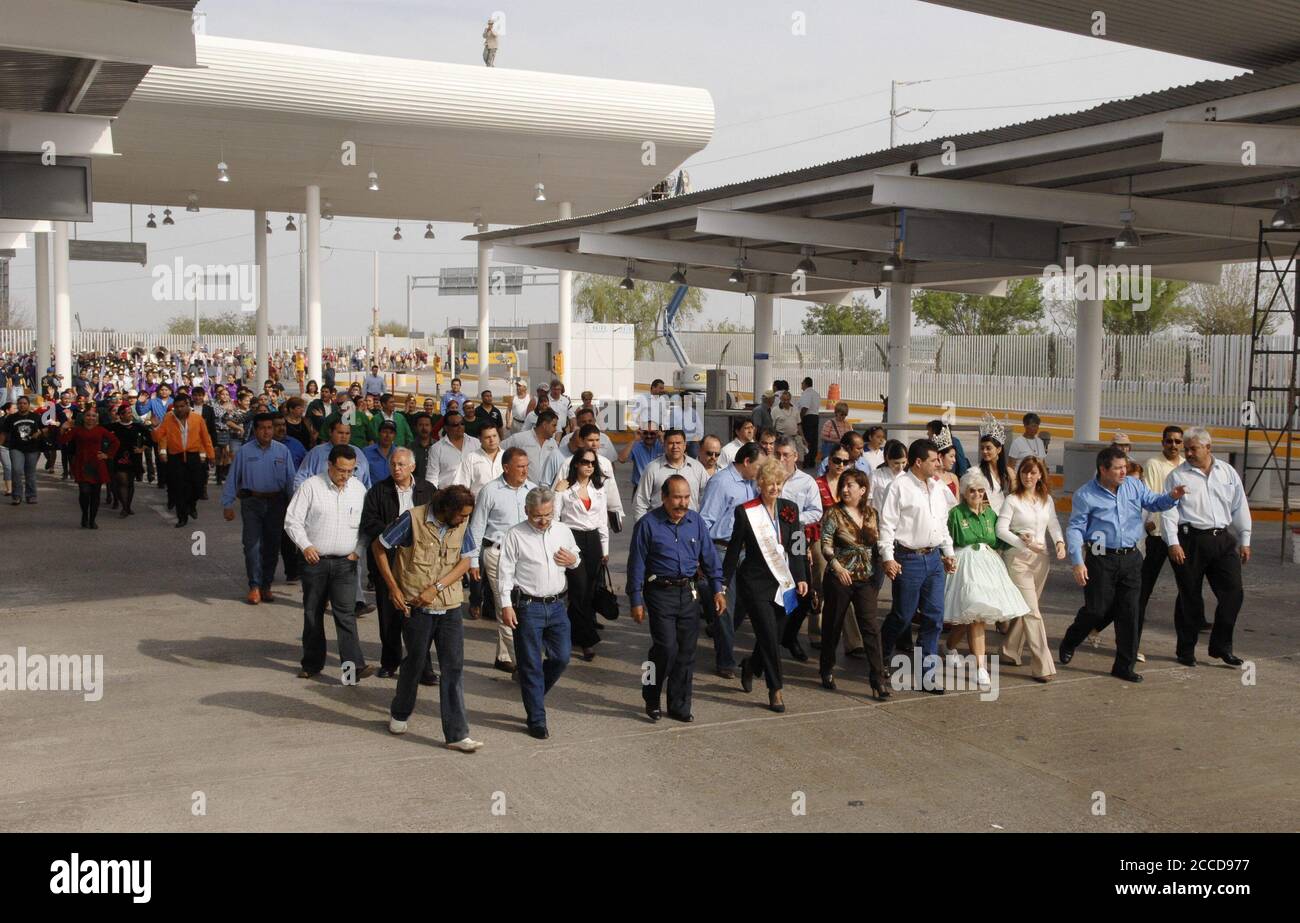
(168, 435)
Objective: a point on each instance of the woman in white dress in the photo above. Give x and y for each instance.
(993, 465)
(1027, 518)
(979, 593)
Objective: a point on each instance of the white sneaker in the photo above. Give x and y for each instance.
(396, 727)
(1142, 658)
(468, 745)
(984, 679)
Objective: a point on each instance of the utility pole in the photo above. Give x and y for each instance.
(893, 109)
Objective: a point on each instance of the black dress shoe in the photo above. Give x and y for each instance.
(180, 523)
(1231, 660)
(858, 653)
(504, 666)
(653, 712)
(685, 719)
(797, 652)
(828, 681)
(746, 676)
(539, 731)
(429, 679)
(1187, 660)
(1065, 654)
(727, 674)
(385, 673)
(1130, 676)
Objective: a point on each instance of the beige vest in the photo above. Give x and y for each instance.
(427, 559)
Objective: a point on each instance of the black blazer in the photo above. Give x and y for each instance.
(753, 571)
(380, 509)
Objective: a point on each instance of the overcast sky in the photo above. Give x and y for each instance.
(782, 101)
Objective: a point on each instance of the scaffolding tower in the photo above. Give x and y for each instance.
(1272, 404)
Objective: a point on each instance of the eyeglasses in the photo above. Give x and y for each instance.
(585, 461)
(839, 460)
(711, 454)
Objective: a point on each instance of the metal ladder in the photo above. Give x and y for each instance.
(1272, 403)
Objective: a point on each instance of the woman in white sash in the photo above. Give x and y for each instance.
(772, 575)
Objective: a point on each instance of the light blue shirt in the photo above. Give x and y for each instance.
(318, 462)
(264, 471)
(725, 491)
(376, 462)
(1114, 520)
(497, 508)
(373, 384)
(448, 397)
(641, 456)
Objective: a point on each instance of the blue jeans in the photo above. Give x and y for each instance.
(23, 470)
(918, 587)
(543, 627)
(447, 632)
(263, 520)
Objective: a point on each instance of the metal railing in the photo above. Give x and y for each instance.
(24, 340)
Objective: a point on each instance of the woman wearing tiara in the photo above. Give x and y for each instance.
(993, 462)
(979, 592)
(948, 461)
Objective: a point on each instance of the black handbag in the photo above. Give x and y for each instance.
(604, 601)
(615, 524)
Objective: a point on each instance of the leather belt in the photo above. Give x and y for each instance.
(670, 581)
(525, 598)
(1195, 531)
(1129, 550)
(921, 551)
(259, 494)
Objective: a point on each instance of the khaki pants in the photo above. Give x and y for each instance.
(852, 636)
(1028, 571)
(505, 634)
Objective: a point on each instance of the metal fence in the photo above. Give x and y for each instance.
(24, 340)
(1186, 379)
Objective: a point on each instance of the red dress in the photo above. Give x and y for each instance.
(87, 466)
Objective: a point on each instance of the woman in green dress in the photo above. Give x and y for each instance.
(980, 592)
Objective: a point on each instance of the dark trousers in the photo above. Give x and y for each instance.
(1157, 555)
(861, 595)
(185, 474)
(332, 581)
(582, 588)
(291, 556)
(148, 460)
(1216, 558)
(768, 619)
(794, 621)
(263, 521)
(543, 629)
(391, 629)
(1114, 583)
(674, 616)
(810, 423)
(447, 632)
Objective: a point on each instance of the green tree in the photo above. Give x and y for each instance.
(393, 328)
(236, 323)
(1021, 311)
(1228, 308)
(1119, 315)
(600, 300)
(726, 326)
(854, 319)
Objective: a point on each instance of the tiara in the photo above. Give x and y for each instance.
(943, 440)
(989, 426)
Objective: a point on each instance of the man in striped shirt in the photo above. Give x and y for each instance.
(324, 521)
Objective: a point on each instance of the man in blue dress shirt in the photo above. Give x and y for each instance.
(642, 451)
(261, 475)
(726, 490)
(318, 459)
(668, 545)
(378, 453)
(1106, 524)
(455, 394)
(297, 451)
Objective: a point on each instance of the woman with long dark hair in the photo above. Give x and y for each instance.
(92, 446)
(581, 505)
(848, 543)
(993, 465)
(127, 463)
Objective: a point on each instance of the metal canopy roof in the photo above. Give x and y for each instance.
(448, 141)
(1100, 151)
(1243, 33)
(43, 81)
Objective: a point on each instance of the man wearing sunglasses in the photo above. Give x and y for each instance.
(710, 456)
(1154, 471)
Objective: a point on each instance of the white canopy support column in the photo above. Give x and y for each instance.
(259, 261)
(62, 306)
(1087, 359)
(314, 341)
(900, 352)
(565, 331)
(484, 327)
(42, 305)
(763, 338)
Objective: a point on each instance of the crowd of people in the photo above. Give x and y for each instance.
(454, 508)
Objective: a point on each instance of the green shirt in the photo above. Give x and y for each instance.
(966, 528)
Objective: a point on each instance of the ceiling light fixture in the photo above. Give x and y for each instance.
(374, 181)
(805, 265)
(151, 224)
(428, 231)
(1285, 216)
(327, 212)
(679, 276)
(289, 225)
(627, 282)
(192, 201)
(167, 217)
(541, 192)
(397, 232)
(1127, 239)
